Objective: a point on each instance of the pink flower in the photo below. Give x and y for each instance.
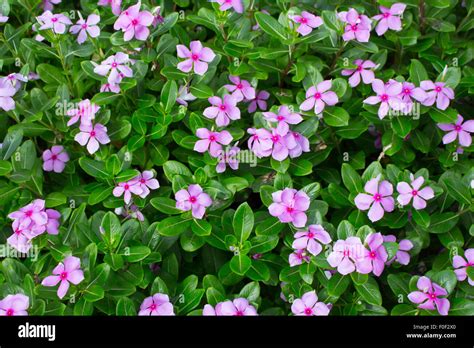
(115, 64)
(374, 259)
(437, 91)
(48, 5)
(211, 141)
(158, 304)
(134, 23)
(31, 214)
(318, 96)
(302, 144)
(298, 257)
(407, 192)
(290, 205)
(52, 226)
(21, 238)
(241, 89)
(15, 79)
(307, 22)
(196, 58)
(390, 18)
(227, 4)
(110, 87)
(308, 305)
(184, 96)
(85, 112)
(260, 142)
(3, 19)
(56, 22)
(409, 92)
(404, 246)
(461, 265)
(55, 159)
(357, 26)
(429, 296)
(7, 91)
(387, 96)
(282, 145)
(228, 157)
(92, 136)
(146, 181)
(346, 255)
(312, 239)
(130, 212)
(86, 27)
(260, 101)
(127, 189)
(284, 117)
(194, 199)
(238, 307)
(458, 130)
(114, 4)
(379, 200)
(14, 305)
(363, 70)
(68, 271)
(222, 110)
(157, 17)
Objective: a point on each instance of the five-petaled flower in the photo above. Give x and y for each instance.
(308, 305)
(378, 200)
(408, 191)
(311, 239)
(14, 305)
(116, 64)
(437, 92)
(459, 130)
(461, 265)
(158, 304)
(346, 255)
(390, 18)
(134, 23)
(357, 26)
(289, 205)
(196, 57)
(223, 110)
(86, 27)
(241, 89)
(363, 69)
(228, 4)
(55, 159)
(429, 296)
(237, 308)
(194, 199)
(318, 96)
(92, 135)
(387, 95)
(307, 22)
(211, 141)
(375, 257)
(68, 271)
(56, 22)
(283, 118)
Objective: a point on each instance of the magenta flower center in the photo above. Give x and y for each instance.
(126, 187)
(134, 22)
(377, 197)
(275, 138)
(212, 138)
(384, 97)
(458, 128)
(438, 89)
(303, 20)
(308, 311)
(222, 107)
(386, 15)
(63, 275)
(84, 26)
(346, 252)
(29, 213)
(54, 19)
(153, 307)
(317, 95)
(114, 65)
(432, 295)
(359, 68)
(10, 312)
(194, 57)
(92, 133)
(192, 199)
(406, 91)
(240, 86)
(239, 313)
(280, 118)
(142, 181)
(354, 27)
(17, 231)
(54, 157)
(289, 209)
(414, 192)
(310, 235)
(373, 254)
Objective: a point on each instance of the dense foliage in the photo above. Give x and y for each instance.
(170, 157)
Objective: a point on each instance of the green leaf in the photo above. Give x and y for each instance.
(243, 222)
(50, 74)
(104, 98)
(421, 217)
(271, 26)
(351, 178)
(93, 293)
(201, 228)
(169, 95)
(335, 116)
(10, 143)
(251, 292)
(443, 222)
(136, 253)
(369, 291)
(417, 72)
(173, 226)
(125, 307)
(443, 116)
(240, 264)
(94, 168)
(165, 205)
(54, 199)
(338, 284)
